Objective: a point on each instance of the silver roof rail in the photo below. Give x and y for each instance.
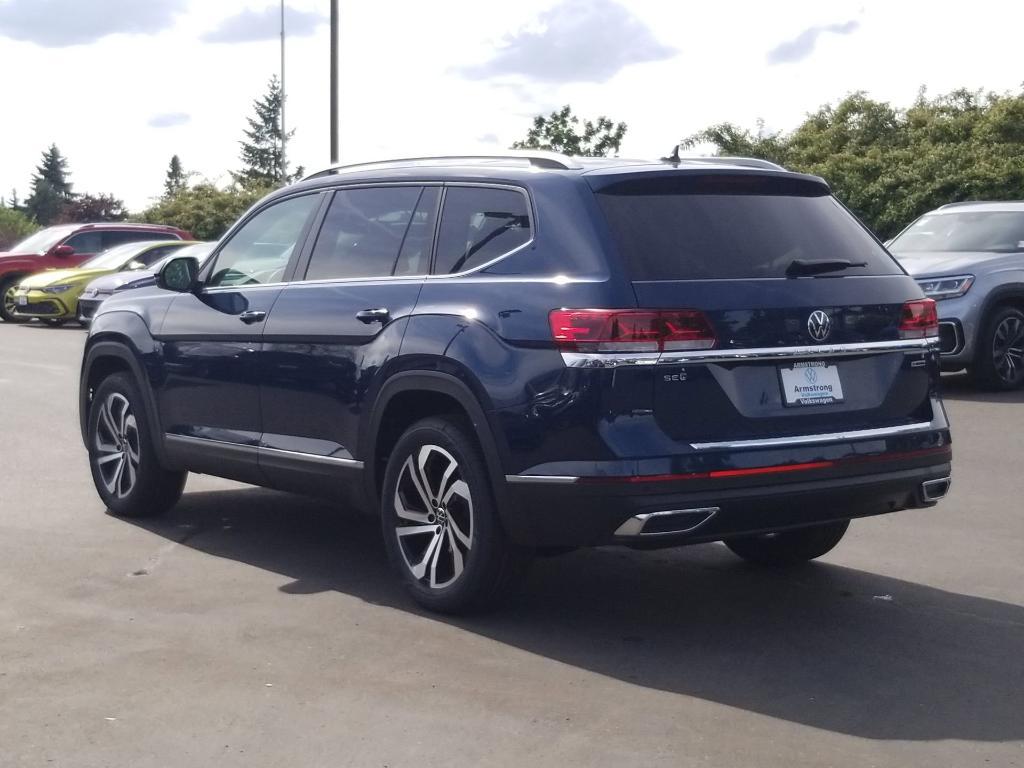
(746, 162)
(537, 159)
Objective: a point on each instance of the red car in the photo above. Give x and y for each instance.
(68, 245)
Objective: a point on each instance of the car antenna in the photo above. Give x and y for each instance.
(674, 157)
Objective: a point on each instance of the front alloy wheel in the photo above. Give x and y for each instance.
(117, 445)
(435, 517)
(1000, 363)
(9, 305)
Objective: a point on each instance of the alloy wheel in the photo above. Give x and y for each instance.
(116, 441)
(1008, 349)
(9, 303)
(434, 522)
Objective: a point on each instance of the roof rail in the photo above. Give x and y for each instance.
(537, 159)
(746, 162)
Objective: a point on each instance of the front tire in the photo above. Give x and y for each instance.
(789, 547)
(441, 527)
(1000, 359)
(7, 305)
(124, 465)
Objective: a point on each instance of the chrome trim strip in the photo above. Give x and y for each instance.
(958, 338)
(826, 437)
(311, 457)
(314, 458)
(613, 360)
(542, 479)
(634, 526)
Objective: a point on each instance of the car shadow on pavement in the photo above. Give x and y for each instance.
(826, 646)
(962, 387)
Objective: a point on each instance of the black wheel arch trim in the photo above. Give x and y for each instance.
(999, 295)
(441, 383)
(122, 350)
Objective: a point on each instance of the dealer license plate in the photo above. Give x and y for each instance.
(811, 383)
(22, 301)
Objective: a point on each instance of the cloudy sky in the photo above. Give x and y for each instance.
(121, 85)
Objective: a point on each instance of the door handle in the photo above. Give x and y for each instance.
(251, 316)
(380, 315)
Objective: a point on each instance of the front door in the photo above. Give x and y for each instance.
(208, 395)
(334, 330)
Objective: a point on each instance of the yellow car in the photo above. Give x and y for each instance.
(52, 296)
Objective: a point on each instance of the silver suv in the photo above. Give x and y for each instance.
(969, 257)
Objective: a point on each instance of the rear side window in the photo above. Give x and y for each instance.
(733, 227)
(375, 232)
(480, 224)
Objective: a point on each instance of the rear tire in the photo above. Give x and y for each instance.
(999, 364)
(125, 467)
(441, 526)
(789, 547)
(7, 305)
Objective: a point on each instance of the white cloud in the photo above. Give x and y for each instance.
(61, 23)
(249, 26)
(802, 46)
(169, 119)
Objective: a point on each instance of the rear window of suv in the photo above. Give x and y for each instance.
(733, 227)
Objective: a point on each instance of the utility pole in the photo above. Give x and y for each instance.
(334, 81)
(284, 130)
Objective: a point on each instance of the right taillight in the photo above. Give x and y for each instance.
(920, 319)
(630, 330)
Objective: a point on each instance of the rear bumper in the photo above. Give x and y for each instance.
(800, 485)
(552, 514)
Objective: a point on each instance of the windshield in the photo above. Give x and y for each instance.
(114, 258)
(992, 231)
(43, 240)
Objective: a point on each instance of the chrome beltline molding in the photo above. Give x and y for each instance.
(616, 359)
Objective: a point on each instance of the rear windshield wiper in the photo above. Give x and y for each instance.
(803, 267)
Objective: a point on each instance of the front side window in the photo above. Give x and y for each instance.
(259, 251)
(86, 242)
(480, 224)
(374, 232)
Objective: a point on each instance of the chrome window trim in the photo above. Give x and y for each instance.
(615, 359)
(825, 437)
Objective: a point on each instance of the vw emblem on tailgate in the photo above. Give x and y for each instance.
(819, 325)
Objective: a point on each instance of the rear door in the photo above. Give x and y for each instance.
(333, 331)
(798, 351)
(208, 394)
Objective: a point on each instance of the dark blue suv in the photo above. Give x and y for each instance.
(500, 356)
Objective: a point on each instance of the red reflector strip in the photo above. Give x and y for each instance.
(769, 470)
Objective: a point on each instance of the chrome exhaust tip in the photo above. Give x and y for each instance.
(933, 490)
(667, 522)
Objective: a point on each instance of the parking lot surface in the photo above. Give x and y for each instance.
(252, 628)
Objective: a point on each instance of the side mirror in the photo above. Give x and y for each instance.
(63, 251)
(179, 275)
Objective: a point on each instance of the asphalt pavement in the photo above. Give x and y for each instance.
(253, 628)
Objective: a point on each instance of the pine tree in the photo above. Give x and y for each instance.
(176, 179)
(261, 155)
(51, 190)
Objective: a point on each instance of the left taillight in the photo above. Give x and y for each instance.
(920, 319)
(630, 330)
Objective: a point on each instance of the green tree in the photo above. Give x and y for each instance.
(204, 209)
(14, 226)
(51, 188)
(176, 179)
(85, 208)
(562, 131)
(890, 165)
(262, 152)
